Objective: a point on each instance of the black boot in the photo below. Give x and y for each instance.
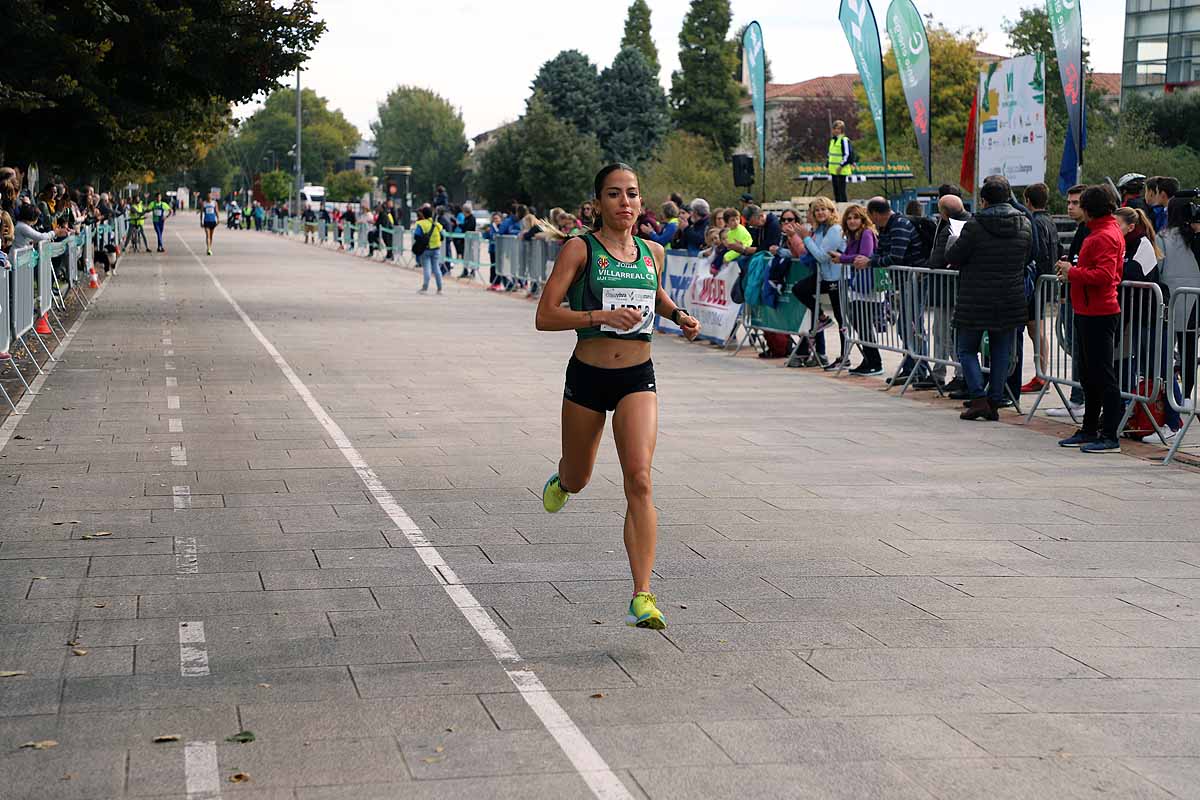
(980, 408)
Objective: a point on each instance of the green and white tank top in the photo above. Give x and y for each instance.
(607, 283)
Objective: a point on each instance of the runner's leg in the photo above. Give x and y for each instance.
(635, 428)
(581, 431)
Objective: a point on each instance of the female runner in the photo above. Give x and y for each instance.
(611, 279)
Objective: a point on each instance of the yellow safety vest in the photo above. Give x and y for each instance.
(835, 157)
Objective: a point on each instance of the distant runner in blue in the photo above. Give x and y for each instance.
(208, 220)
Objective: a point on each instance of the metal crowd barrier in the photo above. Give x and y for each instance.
(1181, 339)
(6, 332)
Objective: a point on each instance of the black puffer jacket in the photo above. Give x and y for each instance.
(991, 255)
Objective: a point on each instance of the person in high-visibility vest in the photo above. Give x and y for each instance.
(159, 211)
(841, 160)
(137, 221)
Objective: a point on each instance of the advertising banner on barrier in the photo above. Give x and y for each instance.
(1012, 120)
(707, 297)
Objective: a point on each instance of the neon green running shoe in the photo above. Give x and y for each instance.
(644, 613)
(554, 497)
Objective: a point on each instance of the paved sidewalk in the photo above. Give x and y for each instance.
(867, 598)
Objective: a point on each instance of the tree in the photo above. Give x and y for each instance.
(327, 137)
(348, 184)
(802, 130)
(953, 79)
(1171, 118)
(737, 38)
(420, 128)
(704, 96)
(637, 34)
(558, 163)
(691, 165)
(570, 86)
(145, 84)
(498, 180)
(631, 130)
(276, 185)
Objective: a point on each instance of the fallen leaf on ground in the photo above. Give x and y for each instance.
(242, 737)
(239, 777)
(39, 577)
(597, 695)
(79, 651)
(103, 533)
(439, 749)
(44, 744)
(72, 642)
(432, 759)
(99, 605)
(12, 673)
(167, 737)
(683, 605)
(264, 686)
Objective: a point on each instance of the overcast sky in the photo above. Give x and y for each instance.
(481, 55)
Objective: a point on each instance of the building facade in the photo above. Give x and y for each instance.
(1162, 45)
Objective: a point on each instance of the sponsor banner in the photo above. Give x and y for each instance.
(858, 23)
(752, 51)
(1012, 121)
(1066, 23)
(691, 284)
(911, 47)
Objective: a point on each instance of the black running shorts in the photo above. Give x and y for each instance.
(601, 389)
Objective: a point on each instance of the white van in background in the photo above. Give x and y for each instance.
(312, 197)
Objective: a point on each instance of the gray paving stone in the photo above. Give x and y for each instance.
(120, 729)
(401, 716)
(1068, 778)
(508, 787)
(817, 781)
(218, 630)
(1179, 776)
(957, 663)
(42, 775)
(886, 697)
(1108, 735)
(457, 677)
(145, 584)
(1140, 662)
(745, 636)
(1103, 695)
(993, 632)
(278, 764)
(281, 602)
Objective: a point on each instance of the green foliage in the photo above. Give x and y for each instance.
(215, 169)
(147, 87)
(570, 87)
(631, 130)
(704, 96)
(498, 180)
(419, 128)
(348, 184)
(952, 83)
(1174, 118)
(276, 185)
(558, 163)
(327, 137)
(637, 34)
(691, 165)
(1136, 148)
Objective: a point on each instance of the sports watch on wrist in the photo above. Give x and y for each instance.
(675, 314)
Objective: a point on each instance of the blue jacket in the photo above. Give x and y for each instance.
(824, 239)
(693, 235)
(665, 236)
(509, 226)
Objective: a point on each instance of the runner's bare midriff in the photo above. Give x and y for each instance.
(607, 353)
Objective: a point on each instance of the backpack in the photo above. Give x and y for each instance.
(926, 233)
(1139, 424)
(421, 239)
(851, 153)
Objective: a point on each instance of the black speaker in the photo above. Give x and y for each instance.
(743, 170)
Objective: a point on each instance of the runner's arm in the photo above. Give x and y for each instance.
(664, 306)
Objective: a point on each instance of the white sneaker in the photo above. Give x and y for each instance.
(1168, 437)
(1187, 405)
(1064, 412)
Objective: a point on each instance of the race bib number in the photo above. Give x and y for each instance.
(640, 299)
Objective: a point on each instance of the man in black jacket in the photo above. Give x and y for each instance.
(991, 255)
(1075, 400)
(1045, 234)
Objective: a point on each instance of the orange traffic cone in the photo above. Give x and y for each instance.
(43, 326)
(94, 282)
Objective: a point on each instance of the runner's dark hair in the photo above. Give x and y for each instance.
(598, 187)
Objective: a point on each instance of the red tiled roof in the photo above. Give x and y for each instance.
(1109, 83)
(829, 86)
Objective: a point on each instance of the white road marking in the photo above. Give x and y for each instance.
(187, 555)
(172, 402)
(174, 425)
(178, 455)
(170, 365)
(193, 655)
(169, 353)
(182, 497)
(172, 381)
(10, 424)
(166, 340)
(202, 778)
(588, 762)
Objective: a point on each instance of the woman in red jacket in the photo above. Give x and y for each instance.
(1094, 281)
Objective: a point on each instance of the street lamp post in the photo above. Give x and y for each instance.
(299, 170)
